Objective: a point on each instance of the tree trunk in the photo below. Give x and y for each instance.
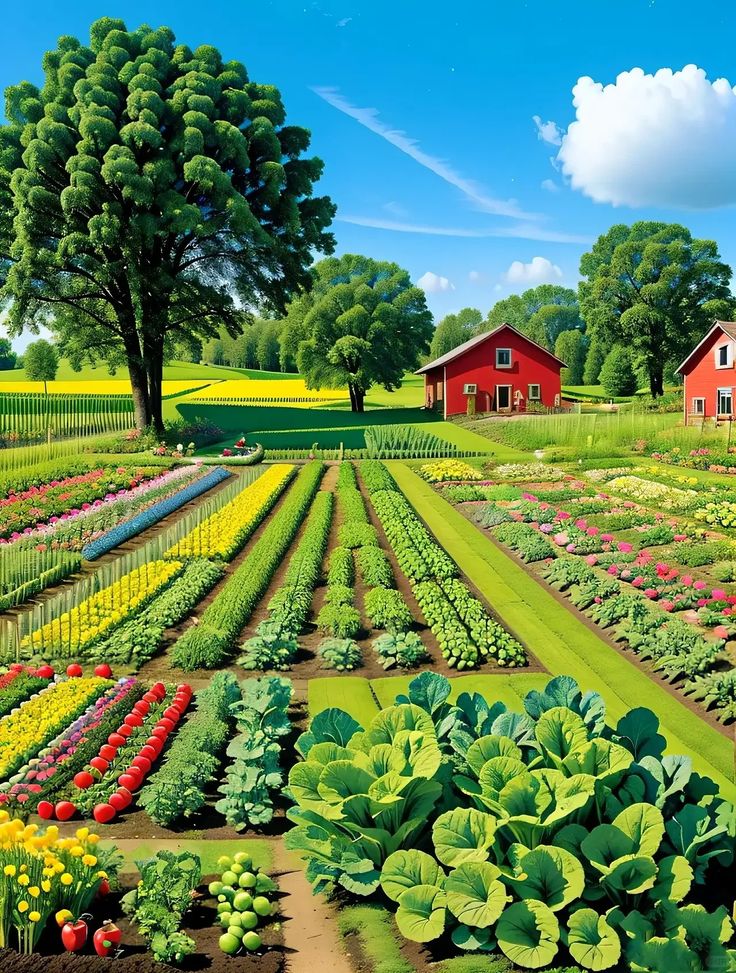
(358, 397)
(353, 405)
(155, 368)
(656, 380)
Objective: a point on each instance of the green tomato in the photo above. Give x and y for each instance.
(248, 920)
(229, 878)
(247, 880)
(225, 918)
(251, 940)
(243, 859)
(229, 944)
(261, 906)
(237, 868)
(236, 931)
(223, 862)
(223, 907)
(214, 888)
(243, 901)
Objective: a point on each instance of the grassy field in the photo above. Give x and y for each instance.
(561, 642)
(175, 371)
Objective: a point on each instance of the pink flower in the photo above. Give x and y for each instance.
(625, 547)
(718, 594)
(667, 606)
(727, 612)
(698, 585)
(563, 515)
(638, 581)
(597, 599)
(592, 531)
(651, 593)
(607, 537)
(561, 539)
(686, 580)
(680, 537)
(591, 559)
(613, 570)
(721, 632)
(702, 602)
(581, 523)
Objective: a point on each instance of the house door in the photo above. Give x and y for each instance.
(503, 398)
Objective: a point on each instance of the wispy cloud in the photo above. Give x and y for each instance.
(521, 231)
(369, 118)
(548, 132)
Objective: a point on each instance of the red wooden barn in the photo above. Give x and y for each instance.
(499, 371)
(709, 376)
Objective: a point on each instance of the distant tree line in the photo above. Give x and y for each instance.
(648, 293)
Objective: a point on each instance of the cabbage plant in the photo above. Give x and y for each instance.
(548, 834)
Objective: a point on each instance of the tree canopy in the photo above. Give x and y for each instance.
(8, 357)
(454, 329)
(654, 288)
(363, 323)
(542, 313)
(571, 347)
(617, 374)
(147, 191)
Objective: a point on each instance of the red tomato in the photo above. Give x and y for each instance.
(83, 780)
(160, 732)
(99, 763)
(167, 723)
(142, 707)
(65, 810)
(103, 813)
(116, 739)
(108, 751)
(149, 751)
(128, 781)
(74, 671)
(103, 670)
(125, 730)
(120, 799)
(142, 762)
(133, 719)
(45, 672)
(45, 810)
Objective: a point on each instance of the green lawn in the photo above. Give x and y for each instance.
(350, 693)
(209, 851)
(561, 642)
(173, 372)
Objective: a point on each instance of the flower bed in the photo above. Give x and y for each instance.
(75, 630)
(225, 532)
(147, 518)
(446, 470)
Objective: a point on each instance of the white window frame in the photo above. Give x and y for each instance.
(728, 348)
(724, 392)
(695, 411)
(508, 352)
(538, 396)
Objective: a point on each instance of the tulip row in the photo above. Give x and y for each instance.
(151, 515)
(56, 764)
(225, 532)
(41, 718)
(86, 623)
(206, 645)
(105, 786)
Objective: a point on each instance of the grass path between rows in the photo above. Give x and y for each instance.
(561, 642)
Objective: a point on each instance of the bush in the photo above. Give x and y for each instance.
(491, 515)
(617, 373)
(375, 567)
(339, 594)
(340, 654)
(548, 831)
(403, 649)
(386, 608)
(528, 543)
(340, 620)
(342, 566)
(274, 646)
(696, 555)
(354, 534)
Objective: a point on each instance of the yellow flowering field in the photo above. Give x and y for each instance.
(273, 391)
(111, 386)
(226, 530)
(73, 630)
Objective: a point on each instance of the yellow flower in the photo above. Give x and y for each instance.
(34, 891)
(24, 880)
(9, 870)
(77, 851)
(92, 839)
(66, 879)
(101, 874)
(34, 916)
(46, 885)
(23, 906)
(4, 816)
(82, 833)
(89, 860)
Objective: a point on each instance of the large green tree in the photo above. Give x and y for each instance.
(454, 329)
(41, 362)
(8, 357)
(655, 289)
(363, 323)
(571, 347)
(542, 313)
(147, 191)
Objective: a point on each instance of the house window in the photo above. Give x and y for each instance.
(698, 408)
(503, 358)
(723, 356)
(534, 393)
(725, 402)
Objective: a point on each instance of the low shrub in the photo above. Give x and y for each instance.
(340, 654)
(342, 566)
(340, 620)
(491, 515)
(274, 646)
(696, 555)
(386, 608)
(527, 542)
(353, 534)
(375, 567)
(403, 649)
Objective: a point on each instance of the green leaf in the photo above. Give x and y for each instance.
(528, 933)
(421, 913)
(330, 725)
(637, 731)
(550, 875)
(390, 721)
(489, 746)
(474, 894)
(674, 878)
(405, 869)
(601, 759)
(463, 835)
(644, 824)
(496, 773)
(342, 779)
(473, 940)
(560, 732)
(632, 874)
(604, 845)
(591, 941)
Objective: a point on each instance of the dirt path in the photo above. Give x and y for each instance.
(312, 942)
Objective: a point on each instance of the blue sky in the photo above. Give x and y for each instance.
(424, 115)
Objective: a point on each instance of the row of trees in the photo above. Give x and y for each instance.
(650, 288)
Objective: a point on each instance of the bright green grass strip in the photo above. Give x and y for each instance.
(472, 964)
(387, 688)
(562, 643)
(350, 693)
(509, 689)
(376, 931)
(209, 851)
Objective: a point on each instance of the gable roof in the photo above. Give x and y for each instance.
(478, 340)
(727, 327)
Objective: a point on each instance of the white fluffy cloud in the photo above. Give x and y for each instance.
(666, 139)
(434, 284)
(547, 131)
(549, 185)
(539, 270)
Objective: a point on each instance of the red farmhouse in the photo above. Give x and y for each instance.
(709, 376)
(499, 371)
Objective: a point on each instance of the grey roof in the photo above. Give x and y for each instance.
(728, 327)
(477, 340)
